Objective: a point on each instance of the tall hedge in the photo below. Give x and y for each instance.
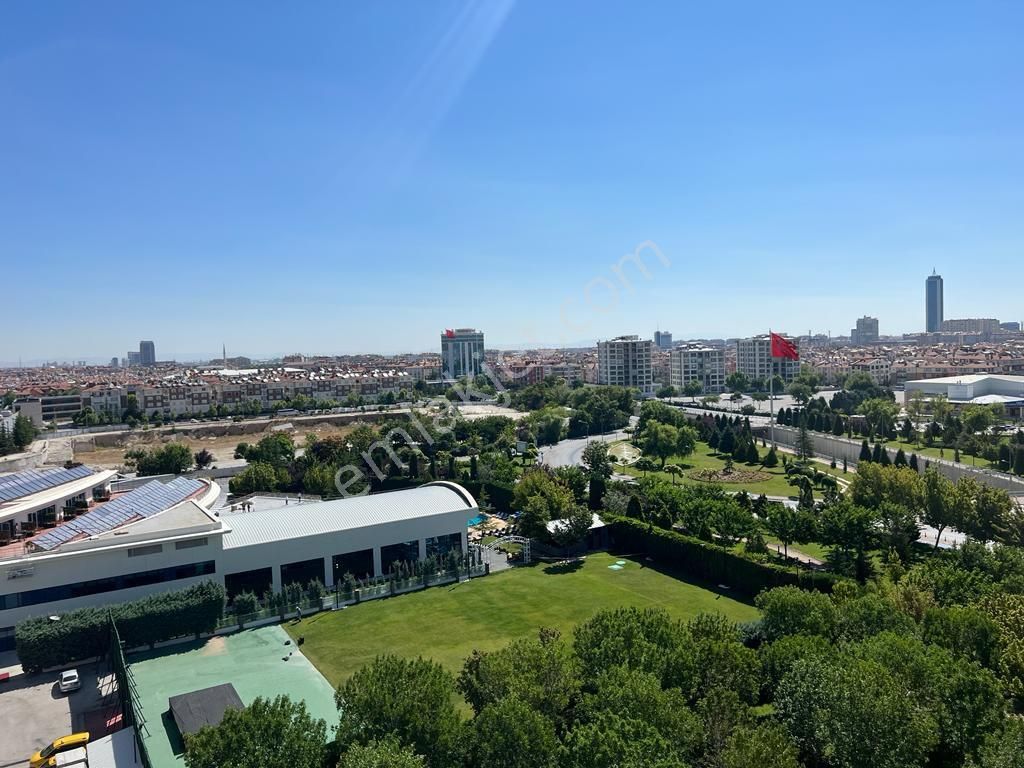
(709, 562)
(84, 633)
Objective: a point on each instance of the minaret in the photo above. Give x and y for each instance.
(224, 350)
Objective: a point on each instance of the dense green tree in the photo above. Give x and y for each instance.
(778, 657)
(764, 746)
(638, 695)
(693, 388)
(512, 734)
(572, 527)
(410, 699)
(647, 639)
(542, 482)
(203, 459)
(170, 459)
(851, 530)
(940, 503)
(737, 381)
(727, 441)
(596, 460)
(255, 478)
(277, 733)
(541, 672)
(852, 713)
(771, 458)
(898, 528)
(659, 441)
(788, 525)
(731, 522)
(381, 754)
(575, 479)
(1003, 748)
(792, 611)
(965, 631)
(611, 741)
(800, 392)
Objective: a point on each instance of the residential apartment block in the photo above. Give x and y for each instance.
(625, 361)
(754, 358)
(705, 365)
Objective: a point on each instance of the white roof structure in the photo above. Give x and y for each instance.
(296, 521)
(972, 378)
(595, 522)
(980, 388)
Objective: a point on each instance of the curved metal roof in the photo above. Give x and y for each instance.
(296, 521)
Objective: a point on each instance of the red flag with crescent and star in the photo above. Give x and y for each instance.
(783, 347)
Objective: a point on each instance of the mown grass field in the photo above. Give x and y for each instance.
(447, 623)
(704, 458)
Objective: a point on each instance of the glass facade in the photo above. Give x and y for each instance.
(359, 564)
(403, 552)
(442, 545)
(302, 572)
(112, 584)
(258, 581)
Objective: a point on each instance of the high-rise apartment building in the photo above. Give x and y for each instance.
(754, 358)
(933, 303)
(705, 365)
(866, 331)
(984, 326)
(663, 339)
(462, 353)
(625, 361)
(147, 353)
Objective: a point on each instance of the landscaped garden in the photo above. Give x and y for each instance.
(698, 466)
(447, 623)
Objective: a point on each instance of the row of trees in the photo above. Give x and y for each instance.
(170, 459)
(18, 436)
(892, 675)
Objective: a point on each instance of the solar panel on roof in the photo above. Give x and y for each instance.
(32, 481)
(144, 501)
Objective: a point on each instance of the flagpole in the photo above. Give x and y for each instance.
(771, 388)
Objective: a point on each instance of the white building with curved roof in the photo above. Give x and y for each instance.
(156, 539)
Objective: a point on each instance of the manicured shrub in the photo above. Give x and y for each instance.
(709, 562)
(84, 633)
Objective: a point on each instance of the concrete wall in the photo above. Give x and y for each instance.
(829, 446)
(15, 462)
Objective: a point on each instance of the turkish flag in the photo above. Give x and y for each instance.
(783, 347)
(449, 333)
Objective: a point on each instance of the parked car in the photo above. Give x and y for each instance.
(69, 681)
(65, 743)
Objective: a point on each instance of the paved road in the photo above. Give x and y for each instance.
(569, 453)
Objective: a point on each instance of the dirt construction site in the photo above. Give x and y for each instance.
(106, 450)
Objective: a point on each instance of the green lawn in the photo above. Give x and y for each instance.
(448, 623)
(935, 452)
(704, 458)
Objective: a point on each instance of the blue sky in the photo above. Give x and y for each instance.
(342, 177)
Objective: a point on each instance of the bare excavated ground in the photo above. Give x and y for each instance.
(221, 446)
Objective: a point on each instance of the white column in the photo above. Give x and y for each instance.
(377, 569)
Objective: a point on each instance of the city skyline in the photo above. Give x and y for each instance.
(337, 180)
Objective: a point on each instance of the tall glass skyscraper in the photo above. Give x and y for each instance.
(933, 303)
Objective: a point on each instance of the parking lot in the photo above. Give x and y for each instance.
(34, 712)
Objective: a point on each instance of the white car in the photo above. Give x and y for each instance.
(69, 681)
